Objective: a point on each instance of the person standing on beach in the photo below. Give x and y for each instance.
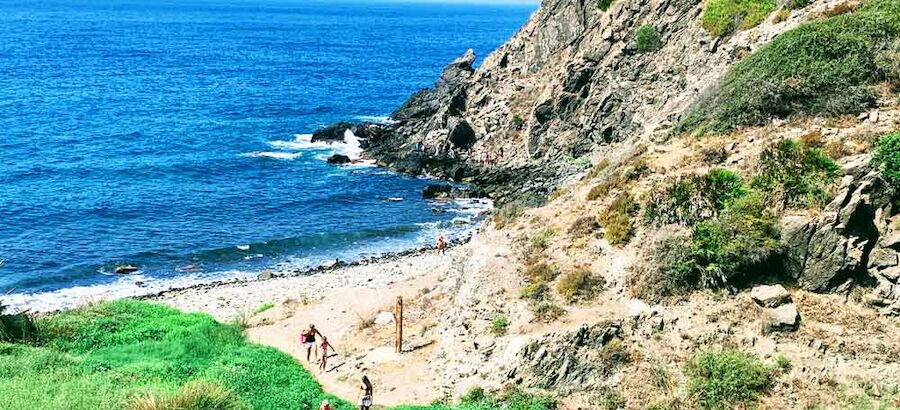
(325, 346)
(441, 243)
(308, 340)
(366, 397)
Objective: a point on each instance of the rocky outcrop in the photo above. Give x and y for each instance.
(339, 159)
(853, 241)
(576, 361)
(779, 314)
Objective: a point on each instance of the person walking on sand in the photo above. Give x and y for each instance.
(441, 243)
(325, 346)
(366, 397)
(308, 340)
(325, 405)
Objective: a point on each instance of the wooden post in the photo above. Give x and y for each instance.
(398, 320)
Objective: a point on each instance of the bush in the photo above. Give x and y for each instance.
(604, 4)
(541, 272)
(192, 396)
(578, 284)
(16, 327)
(616, 220)
(547, 312)
(512, 210)
(687, 200)
(722, 17)
(647, 39)
(889, 62)
(726, 379)
(723, 251)
(518, 122)
(665, 267)
(584, 225)
(541, 240)
(887, 154)
(794, 176)
(827, 67)
(536, 291)
(499, 325)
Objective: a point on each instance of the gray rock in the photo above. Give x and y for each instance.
(770, 296)
(781, 319)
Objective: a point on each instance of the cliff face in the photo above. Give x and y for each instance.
(572, 81)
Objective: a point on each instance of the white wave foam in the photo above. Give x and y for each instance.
(302, 142)
(275, 155)
(376, 119)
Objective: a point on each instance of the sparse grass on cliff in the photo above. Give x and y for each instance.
(479, 399)
(887, 154)
(722, 17)
(647, 39)
(828, 67)
(727, 379)
(792, 175)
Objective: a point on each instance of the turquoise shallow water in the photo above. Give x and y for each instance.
(173, 136)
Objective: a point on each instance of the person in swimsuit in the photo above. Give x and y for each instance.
(325, 405)
(365, 398)
(308, 340)
(441, 243)
(325, 346)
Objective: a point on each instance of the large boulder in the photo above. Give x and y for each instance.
(435, 191)
(785, 318)
(770, 296)
(449, 92)
(854, 239)
(333, 132)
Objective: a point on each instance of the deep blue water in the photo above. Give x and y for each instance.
(170, 134)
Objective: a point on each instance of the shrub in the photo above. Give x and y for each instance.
(499, 325)
(889, 62)
(715, 154)
(687, 200)
(513, 399)
(536, 291)
(578, 284)
(584, 225)
(547, 312)
(616, 220)
(541, 272)
(793, 176)
(512, 210)
(722, 251)
(665, 267)
(609, 399)
(192, 396)
(647, 39)
(541, 240)
(722, 17)
(887, 154)
(726, 379)
(518, 122)
(262, 308)
(827, 67)
(604, 4)
(16, 327)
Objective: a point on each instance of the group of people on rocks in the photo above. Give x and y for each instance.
(309, 340)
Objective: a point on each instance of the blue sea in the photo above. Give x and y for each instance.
(174, 136)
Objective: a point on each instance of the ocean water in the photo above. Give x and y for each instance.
(174, 136)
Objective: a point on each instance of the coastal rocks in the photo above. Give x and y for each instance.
(770, 296)
(339, 159)
(126, 269)
(853, 241)
(461, 133)
(333, 133)
(449, 91)
(575, 361)
(780, 315)
(435, 191)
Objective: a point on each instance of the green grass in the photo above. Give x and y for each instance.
(616, 220)
(262, 308)
(887, 154)
(727, 379)
(478, 399)
(794, 176)
(604, 4)
(723, 17)
(136, 355)
(499, 325)
(688, 200)
(828, 67)
(647, 39)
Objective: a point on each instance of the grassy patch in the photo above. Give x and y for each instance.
(547, 311)
(794, 176)
(726, 379)
(479, 399)
(616, 220)
(604, 4)
(647, 39)
(512, 210)
(262, 308)
(688, 200)
(887, 154)
(723, 17)
(118, 354)
(578, 284)
(15, 327)
(499, 325)
(827, 67)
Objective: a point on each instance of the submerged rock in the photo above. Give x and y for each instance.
(435, 191)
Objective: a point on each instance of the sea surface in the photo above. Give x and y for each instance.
(174, 136)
